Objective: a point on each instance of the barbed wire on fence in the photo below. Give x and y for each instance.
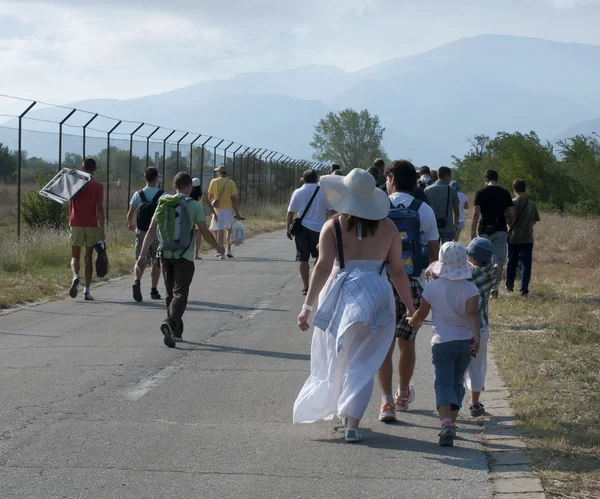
(263, 176)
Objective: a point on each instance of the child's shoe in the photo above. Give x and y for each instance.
(447, 435)
(477, 410)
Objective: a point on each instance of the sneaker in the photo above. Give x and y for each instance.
(351, 435)
(74, 286)
(167, 331)
(178, 335)
(137, 291)
(477, 410)
(221, 257)
(447, 436)
(494, 294)
(155, 295)
(229, 254)
(88, 297)
(402, 404)
(387, 413)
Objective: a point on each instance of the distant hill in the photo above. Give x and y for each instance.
(430, 103)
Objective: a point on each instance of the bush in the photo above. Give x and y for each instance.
(39, 211)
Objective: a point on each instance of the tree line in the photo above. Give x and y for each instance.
(119, 164)
(559, 177)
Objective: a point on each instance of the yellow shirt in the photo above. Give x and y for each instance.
(228, 187)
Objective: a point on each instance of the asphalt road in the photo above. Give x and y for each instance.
(93, 405)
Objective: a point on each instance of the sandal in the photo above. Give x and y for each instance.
(304, 292)
(352, 435)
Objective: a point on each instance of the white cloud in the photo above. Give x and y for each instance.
(66, 50)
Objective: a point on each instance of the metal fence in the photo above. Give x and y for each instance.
(34, 148)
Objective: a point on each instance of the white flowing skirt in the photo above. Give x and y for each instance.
(342, 383)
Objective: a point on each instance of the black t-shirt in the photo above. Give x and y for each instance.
(419, 194)
(196, 193)
(493, 202)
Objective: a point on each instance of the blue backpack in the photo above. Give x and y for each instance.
(414, 253)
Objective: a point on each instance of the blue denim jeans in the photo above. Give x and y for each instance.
(450, 361)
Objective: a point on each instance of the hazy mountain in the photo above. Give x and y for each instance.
(587, 127)
(429, 103)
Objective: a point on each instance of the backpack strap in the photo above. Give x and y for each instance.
(143, 196)
(338, 238)
(415, 205)
(157, 196)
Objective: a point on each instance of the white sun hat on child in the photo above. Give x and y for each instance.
(453, 262)
(356, 194)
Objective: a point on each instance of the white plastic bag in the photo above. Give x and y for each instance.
(238, 235)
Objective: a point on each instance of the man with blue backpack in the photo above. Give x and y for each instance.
(141, 210)
(173, 223)
(417, 227)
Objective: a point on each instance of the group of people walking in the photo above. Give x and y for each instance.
(168, 233)
(387, 252)
(371, 290)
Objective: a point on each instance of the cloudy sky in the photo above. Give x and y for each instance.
(66, 50)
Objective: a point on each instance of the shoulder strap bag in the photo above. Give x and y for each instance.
(295, 226)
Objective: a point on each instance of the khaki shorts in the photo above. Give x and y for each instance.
(84, 236)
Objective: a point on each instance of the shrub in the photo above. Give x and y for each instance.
(39, 211)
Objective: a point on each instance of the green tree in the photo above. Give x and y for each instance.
(349, 138)
(8, 163)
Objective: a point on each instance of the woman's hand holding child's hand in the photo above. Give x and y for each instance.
(414, 322)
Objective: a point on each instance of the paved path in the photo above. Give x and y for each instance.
(93, 405)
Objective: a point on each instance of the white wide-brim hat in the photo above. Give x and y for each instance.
(453, 262)
(356, 194)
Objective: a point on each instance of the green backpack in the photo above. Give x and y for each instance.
(175, 229)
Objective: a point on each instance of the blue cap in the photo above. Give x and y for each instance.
(455, 184)
(481, 249)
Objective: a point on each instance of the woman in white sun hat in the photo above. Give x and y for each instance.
(454, 303)
(351, 302)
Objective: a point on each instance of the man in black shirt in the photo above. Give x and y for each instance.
(493, 209)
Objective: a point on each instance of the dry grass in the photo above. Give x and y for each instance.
(548, 350)
(37, 267)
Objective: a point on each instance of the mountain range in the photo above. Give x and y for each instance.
(429, 103)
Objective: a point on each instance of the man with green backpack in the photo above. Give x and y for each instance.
(173, 223)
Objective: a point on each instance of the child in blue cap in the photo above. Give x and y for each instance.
(480, 252)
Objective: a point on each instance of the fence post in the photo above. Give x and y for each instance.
(85, 129)
(215, 157)
(233, 165)
(177, 160)
(225, 154)
(242, 181)
(268, 167)
(250, 155)
(202, 163)
(60, 136)
(20, 163)
(164, 175)
(278, 165)
(148, 146)
(131, 160)
(258, 153)
(108, 169)
(192, 152)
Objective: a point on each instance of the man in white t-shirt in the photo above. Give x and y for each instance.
(463, 204)
(313, 219)
(401, 182)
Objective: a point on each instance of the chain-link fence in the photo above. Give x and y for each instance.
(33, 147)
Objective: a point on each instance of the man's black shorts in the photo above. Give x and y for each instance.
(306, 244)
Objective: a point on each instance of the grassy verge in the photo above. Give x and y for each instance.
(38, 266)
(548, 350)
